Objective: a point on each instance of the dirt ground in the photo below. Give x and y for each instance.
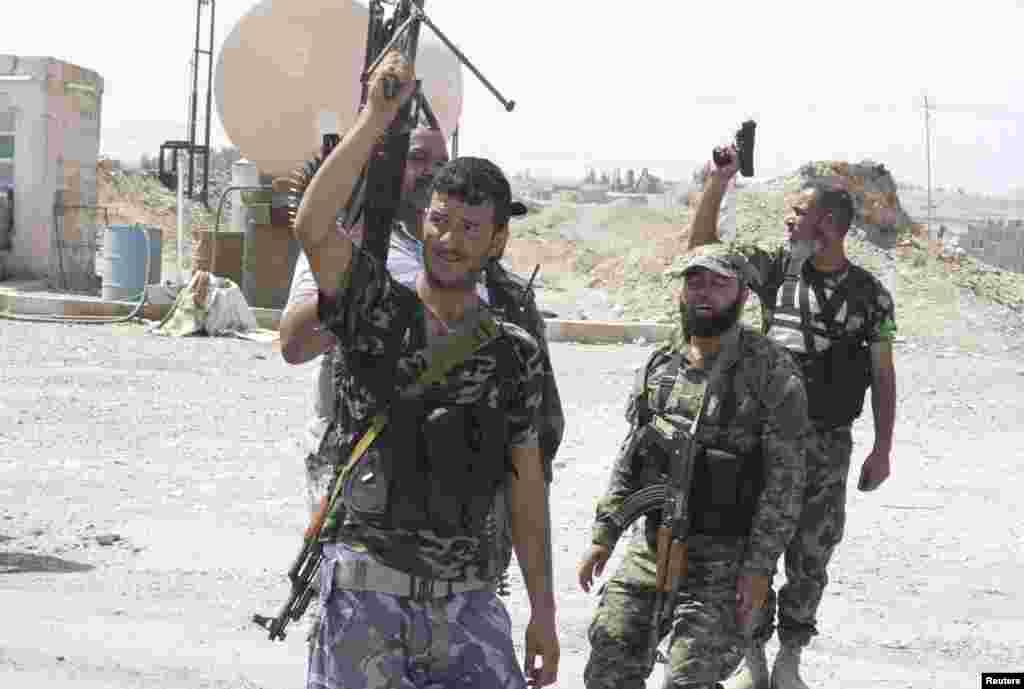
(151, 499)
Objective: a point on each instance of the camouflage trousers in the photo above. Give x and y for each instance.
(705, 644)
(819, 531)
(369, 640)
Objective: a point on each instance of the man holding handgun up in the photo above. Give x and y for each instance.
(746, 467)
(436, 434)
(838, 321)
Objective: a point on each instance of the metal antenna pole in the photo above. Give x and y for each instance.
(928, 159)
(193, 114)
(205, 197)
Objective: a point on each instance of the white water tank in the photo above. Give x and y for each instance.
(244, 173)
(288, 66)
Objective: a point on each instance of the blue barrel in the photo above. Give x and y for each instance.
(124, 261)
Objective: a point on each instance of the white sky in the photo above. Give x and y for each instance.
(653, 84)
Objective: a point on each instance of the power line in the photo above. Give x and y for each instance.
(928, 158)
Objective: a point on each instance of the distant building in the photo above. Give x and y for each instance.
(49, 141)
(997, 243)
(592, 193)
(648, 183)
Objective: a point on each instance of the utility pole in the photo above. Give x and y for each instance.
(928, 158)
(197, 54)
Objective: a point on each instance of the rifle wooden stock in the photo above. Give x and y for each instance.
(678, 561)
(664, 555)
(316, 525)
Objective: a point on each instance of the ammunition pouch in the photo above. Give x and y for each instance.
(837, 380)
(724, 493)
(434, 467)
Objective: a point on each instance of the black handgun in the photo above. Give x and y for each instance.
(744, 143)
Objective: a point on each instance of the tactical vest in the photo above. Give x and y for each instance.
(436, 466)
(725, 487)
(837, 377)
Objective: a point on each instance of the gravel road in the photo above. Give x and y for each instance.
(151, 498)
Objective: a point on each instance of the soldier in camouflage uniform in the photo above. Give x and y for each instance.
(302, 339)
(430, 458)
(744, 498)
(838, 322)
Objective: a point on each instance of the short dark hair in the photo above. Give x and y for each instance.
(476, 180)
(836, 201)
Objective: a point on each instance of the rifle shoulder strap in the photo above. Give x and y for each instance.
(668, 381)
(638, 396)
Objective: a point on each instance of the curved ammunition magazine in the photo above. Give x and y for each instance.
(644, 501)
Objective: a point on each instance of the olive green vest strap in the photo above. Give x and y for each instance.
(460, 349)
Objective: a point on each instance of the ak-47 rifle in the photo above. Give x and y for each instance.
(375, 198)
(673, 501)
(378, 189)
(302, 575)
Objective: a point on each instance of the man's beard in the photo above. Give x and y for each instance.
(803, 249)
(698, 325)
(466, 282)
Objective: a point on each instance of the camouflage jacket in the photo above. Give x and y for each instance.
(770, 418)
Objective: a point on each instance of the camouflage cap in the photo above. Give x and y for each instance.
(724, 259)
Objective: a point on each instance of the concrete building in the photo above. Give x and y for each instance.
(997, 243)
(49, 141)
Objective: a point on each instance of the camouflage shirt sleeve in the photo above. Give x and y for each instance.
(785, 429)
(632, 470)
(881, 320)
(769, 265)
(520, 306)
(523, 410)
(551, 418)
(624, 482)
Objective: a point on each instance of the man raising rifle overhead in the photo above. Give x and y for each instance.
(436, 434)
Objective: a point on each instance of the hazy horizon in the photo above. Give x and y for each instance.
(653, 87)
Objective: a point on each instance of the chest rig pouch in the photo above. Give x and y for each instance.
(725, 486)
(725, 491)
(436, 466)
(837, 381)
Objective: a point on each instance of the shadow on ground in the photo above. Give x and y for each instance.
(21, 563)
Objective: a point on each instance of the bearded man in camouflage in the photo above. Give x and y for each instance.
(744, 497)
(838, 322)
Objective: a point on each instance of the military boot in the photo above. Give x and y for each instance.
(752, 672)
(786, 671)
